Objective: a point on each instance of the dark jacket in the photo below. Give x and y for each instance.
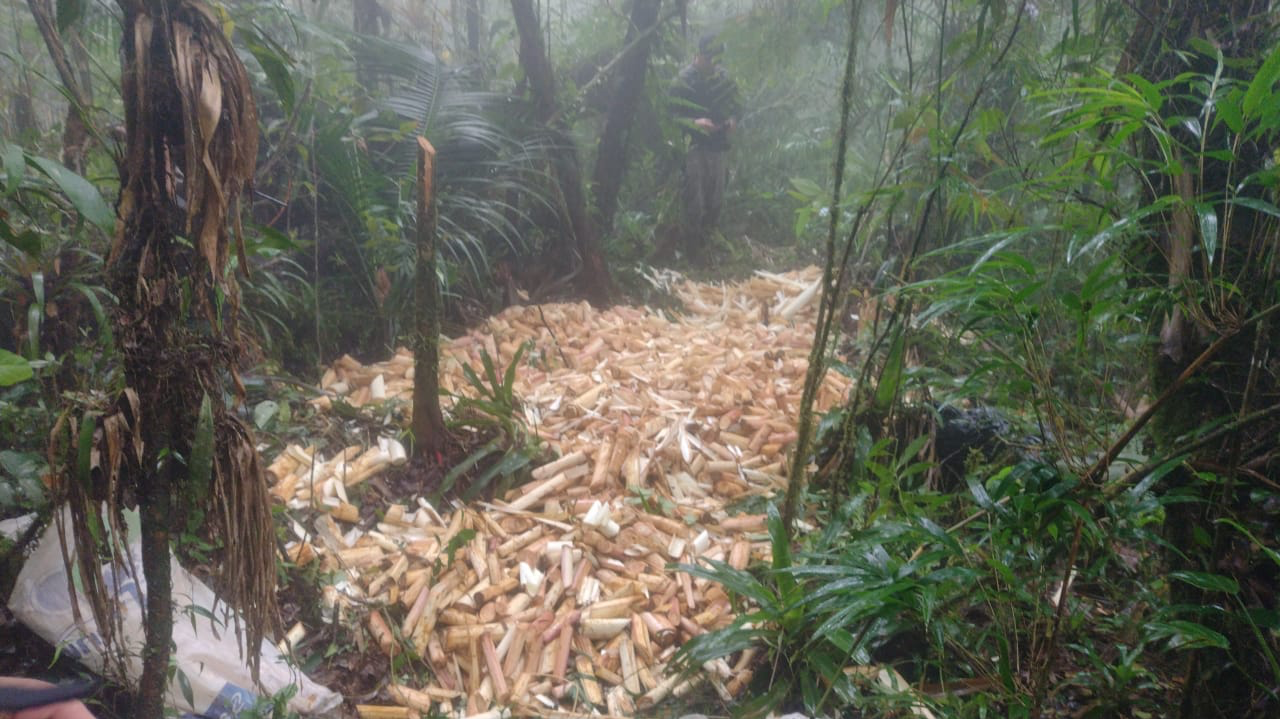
(711, 94)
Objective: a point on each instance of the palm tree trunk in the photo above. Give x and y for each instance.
(429, 438)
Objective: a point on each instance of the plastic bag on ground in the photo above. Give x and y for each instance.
(212, 680)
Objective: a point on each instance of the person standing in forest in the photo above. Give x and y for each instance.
(705, 98)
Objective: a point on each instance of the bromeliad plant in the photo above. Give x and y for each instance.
(491, 410)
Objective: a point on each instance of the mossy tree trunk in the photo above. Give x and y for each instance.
(1216, 256)
(191, 148)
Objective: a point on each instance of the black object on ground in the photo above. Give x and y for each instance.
(18, 698)
(961, 431)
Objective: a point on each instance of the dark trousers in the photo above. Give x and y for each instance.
(705, 173)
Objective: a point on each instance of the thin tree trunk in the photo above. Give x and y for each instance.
(367, 18)
(593, 274)
(611, 158)
(429, 436)
(74, 132)
(24, 113)
(155, 508)
(475, 22)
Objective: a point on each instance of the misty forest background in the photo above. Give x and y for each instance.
(1050, 226)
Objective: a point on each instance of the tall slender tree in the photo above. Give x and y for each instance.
(611, 158)
(75, 130)
(592, 273)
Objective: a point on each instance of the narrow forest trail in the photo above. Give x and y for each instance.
(560, 600)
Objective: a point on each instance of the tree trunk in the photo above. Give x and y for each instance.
(367, 18)
(592, 273)
(1219, 683)
(475, 23)
(75, 133)
(429, 437)
(186, 162)
(611, 158)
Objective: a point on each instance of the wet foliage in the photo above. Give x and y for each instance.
(1050, 235)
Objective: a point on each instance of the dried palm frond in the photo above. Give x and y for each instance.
(241, 522)
(184, 63)
(88, 460)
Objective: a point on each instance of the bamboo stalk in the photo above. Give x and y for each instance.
(378, 711)
(381, 632)
(495, 669)
(590, 685)
(551, 469)
(562, 652)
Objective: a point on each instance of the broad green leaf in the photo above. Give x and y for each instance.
(1150, 93)
(739, 582)
(184, 685)
(1188, 635)
(84, 450)
(24, 470)
(27, 241)
(83, 195)
(1257, 205)
(1260, 88)
(509, 464)
(714, 645)
(33, 330)
(104, 322)
(15, 166)
(1208, 230)
(1207, 581)
(275, 63)
(268, 241)
(937, 532)
(1155, 476)
(1271, 554)
(509, 379)
(891, 376)
(779, 541)
(465, 466)
(1002, 663)
(264, 412)
(1228, 109)
(200, 463)
(13, 369)
(807, 188)
(490, 372)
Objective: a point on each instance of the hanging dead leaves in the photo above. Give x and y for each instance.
(193, 136)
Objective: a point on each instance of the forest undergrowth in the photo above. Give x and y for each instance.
(1049, 237)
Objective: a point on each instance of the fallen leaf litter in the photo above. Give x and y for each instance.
(561, 603)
